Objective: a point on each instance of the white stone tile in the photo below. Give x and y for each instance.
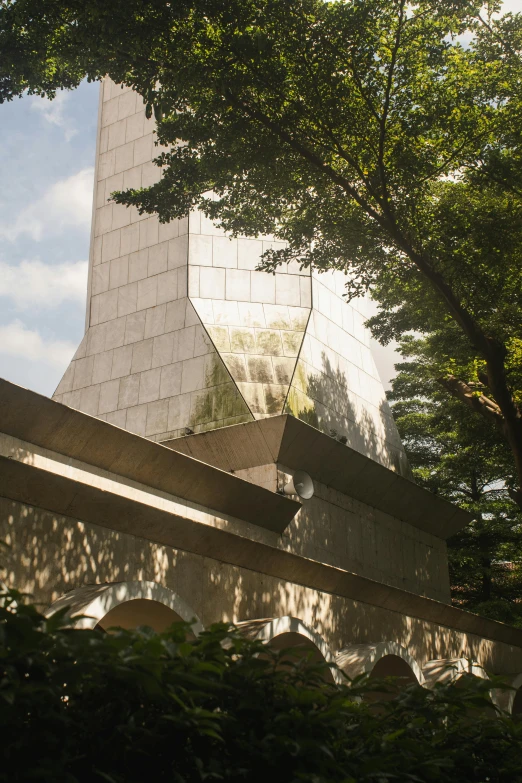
(106, 87)
(142, 356)
(66, 383)
(178, 252)
(179, 412)
(225, 312)
(167, 286)
(72, 399)
(83, 372)
(191, 317)
(168, 231)
(288, 289)
(186, 341)
(115, 333)
(89, 400)
(238, 285)
(193, 281)
(193, 374)
(106, 164)
(135, 326)
(117, 418)
(109, 112)
(149, 232)
(305, 289)
(138, 263)
(96, 250)
(121, 216)
(147, 293)
(163, 349)
(96, 339)
(263, 287)
(182, 275)
(175, 315)
(200, 250)
(149, 385)
(248, 253)
(127, 299)
(109, 392)
(102, 367)
(224, 252)
(103, 222)
(108, 304)
(150, 174)
(208, 227)
(121, 361)
(111, 246)
(277, 316)
(155, 321)
(143, 149)
(94, 313)
(212, 283)
(129, 391)
(135, 126)
(116, 134)
(183, 226)
(129, 239)
(157, 258)
(170, 383)
(124, 157)
(203, 308)
(157, 415)
(100, 194)
(132, 178)
(202, 342)
(100, 279)
(113, 184)
(119, 273)
(136, 420)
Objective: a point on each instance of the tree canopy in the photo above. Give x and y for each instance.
(379, 137)
(457, 455)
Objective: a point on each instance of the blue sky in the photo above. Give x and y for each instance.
(46, 159)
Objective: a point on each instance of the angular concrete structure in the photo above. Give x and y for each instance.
(183, 333)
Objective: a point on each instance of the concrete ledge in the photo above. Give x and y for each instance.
(36, 419)
(295, 444)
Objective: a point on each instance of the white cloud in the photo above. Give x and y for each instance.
(66, 204)
(16, 340)
(35, 284)
(54, 113)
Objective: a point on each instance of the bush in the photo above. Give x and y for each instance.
(130, 707)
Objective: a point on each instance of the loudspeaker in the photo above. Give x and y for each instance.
(301, 484)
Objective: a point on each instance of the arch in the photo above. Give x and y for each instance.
(383, 659)
(510, 700)
(288, 631)
(126, 604)
(445, 670)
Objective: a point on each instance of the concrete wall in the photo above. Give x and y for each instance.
(51, 554)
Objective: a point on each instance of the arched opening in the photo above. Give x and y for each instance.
(394, 666)
(516, 709)
(126, 605)
(137, 612)
(289, 632)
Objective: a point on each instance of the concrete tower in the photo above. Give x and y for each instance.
(183, 332)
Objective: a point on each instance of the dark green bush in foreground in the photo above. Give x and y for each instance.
(137, 706)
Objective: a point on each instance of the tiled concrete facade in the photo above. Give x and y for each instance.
(183, 332)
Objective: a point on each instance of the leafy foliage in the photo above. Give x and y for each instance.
(457, 455)
(80, 705)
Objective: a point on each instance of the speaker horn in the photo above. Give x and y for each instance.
(301, 484)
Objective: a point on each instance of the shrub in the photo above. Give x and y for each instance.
(132, 706)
